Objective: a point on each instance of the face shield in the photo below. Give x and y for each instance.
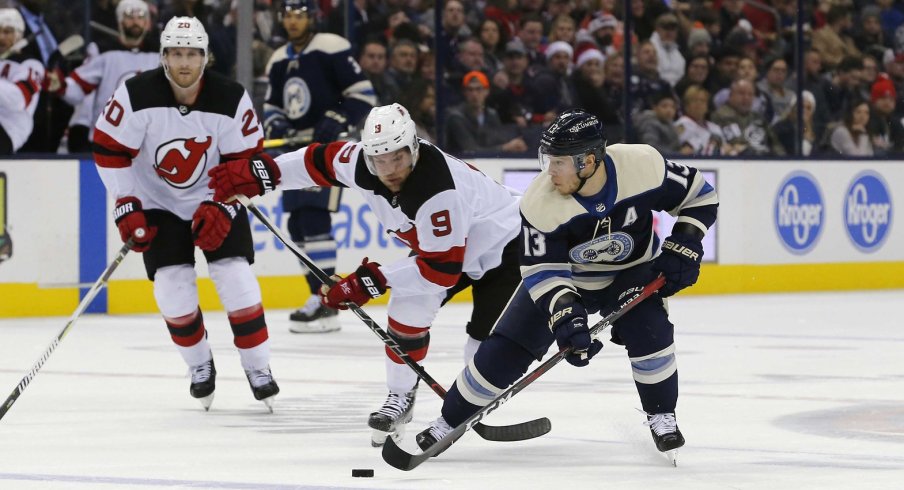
(561, 164)
(388, 163)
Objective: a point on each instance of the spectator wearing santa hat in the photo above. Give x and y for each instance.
(886, 127)
(551, 89)
(588, 79)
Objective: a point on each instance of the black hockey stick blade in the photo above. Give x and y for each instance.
(403, 460)
(516, 432)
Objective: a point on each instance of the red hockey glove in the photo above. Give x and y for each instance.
(253, 177)
(211, 223)
(132, 224)
(359, 287)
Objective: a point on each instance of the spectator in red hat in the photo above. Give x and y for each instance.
(885, 126)
(474, 127)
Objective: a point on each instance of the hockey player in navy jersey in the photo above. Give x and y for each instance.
(587, 240)
(315, 83)
(460, 225)
(153, 144)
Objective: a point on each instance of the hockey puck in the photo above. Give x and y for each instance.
(363, 473)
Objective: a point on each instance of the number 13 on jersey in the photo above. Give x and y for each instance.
(534, 242)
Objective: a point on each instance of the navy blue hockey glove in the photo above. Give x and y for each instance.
(569, 324)
(679, 262)
(279, 127)
(330, 126)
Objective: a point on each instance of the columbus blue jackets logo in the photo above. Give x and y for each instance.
(799, 212)
(613, 247)
(867, 211)
(182, 162)
(297, 98)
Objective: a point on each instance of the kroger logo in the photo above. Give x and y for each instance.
(867, 211)
(799, 212)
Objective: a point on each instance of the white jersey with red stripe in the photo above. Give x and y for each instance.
(102, 74)
(19, 85)
(456, 219)
(149, 146)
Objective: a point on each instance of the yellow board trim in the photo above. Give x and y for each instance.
(136, 296)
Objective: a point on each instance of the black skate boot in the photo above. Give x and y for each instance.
(313, 317)
(666, 435)
(263, 386)
(203, 382)
(391, 418)
(428, 437)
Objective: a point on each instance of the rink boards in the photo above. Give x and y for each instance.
(783, 226)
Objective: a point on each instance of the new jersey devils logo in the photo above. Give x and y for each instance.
(181, 162)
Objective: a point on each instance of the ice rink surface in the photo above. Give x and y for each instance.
(802, 391)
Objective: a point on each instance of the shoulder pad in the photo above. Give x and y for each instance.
(638, 168)
(544, 208)
(277, 56)
(328, 43)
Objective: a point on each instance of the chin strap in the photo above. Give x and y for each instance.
(583, 180)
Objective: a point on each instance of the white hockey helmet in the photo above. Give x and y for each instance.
(131, 7)
(388, 128)
(10, 17)
(184, 32)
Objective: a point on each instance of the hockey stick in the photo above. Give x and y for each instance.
(300, 139)
(404, 460)
(516, 432)
(89, 296)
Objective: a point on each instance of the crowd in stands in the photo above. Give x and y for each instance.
(707, 77)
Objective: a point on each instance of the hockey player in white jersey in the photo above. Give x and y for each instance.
(460, 224)
(20, 83)
(153, 144)
(100, 75)
(587, 243)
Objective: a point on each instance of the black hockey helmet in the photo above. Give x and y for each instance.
(575, 134)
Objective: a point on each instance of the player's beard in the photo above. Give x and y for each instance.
(133, 34)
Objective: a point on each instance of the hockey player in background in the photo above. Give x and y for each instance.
(20, 83)
(100, 75)
(460, 225)
(153, 144)
(315, 83)
(587, 242)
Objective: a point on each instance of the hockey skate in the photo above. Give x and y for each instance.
(203, 382)
(313, 317)
(391, 418)
(263, 385)
(429, 436)
(666, 434)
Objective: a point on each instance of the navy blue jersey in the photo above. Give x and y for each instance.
(323, 77)
(578, 244)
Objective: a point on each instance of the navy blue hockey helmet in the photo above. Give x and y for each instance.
(575, 134)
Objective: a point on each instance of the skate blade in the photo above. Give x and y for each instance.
(206, 402)
(378, 437)
(672, 457)
(269, 402)
(317, 326)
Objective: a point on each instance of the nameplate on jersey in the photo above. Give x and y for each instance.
(613, 247)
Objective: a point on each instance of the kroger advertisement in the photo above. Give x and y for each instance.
(771, 212)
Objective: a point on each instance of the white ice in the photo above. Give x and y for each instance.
(802, 391)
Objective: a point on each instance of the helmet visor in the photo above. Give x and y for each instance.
(560, 164)
(388, 163)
